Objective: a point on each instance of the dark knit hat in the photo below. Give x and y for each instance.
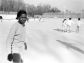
(20, 12)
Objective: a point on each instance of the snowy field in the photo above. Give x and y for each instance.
(45, 45)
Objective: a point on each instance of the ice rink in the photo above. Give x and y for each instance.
(45, 45)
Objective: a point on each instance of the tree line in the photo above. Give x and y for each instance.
(15, 5)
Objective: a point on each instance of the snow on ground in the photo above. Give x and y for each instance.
(46, 45)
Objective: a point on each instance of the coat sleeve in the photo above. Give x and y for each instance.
(10, 37)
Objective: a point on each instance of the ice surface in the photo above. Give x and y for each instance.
(45, 45)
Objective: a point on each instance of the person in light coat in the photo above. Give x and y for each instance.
(16, 36)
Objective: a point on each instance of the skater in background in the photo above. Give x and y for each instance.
(78, 25)
(1, 18)
(16, 37)
(64, 25)
(69, 23)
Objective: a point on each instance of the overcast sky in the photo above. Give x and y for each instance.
(73, 5)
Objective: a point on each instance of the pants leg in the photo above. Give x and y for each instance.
(17, 58)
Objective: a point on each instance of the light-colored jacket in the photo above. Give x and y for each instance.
(17, 32)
